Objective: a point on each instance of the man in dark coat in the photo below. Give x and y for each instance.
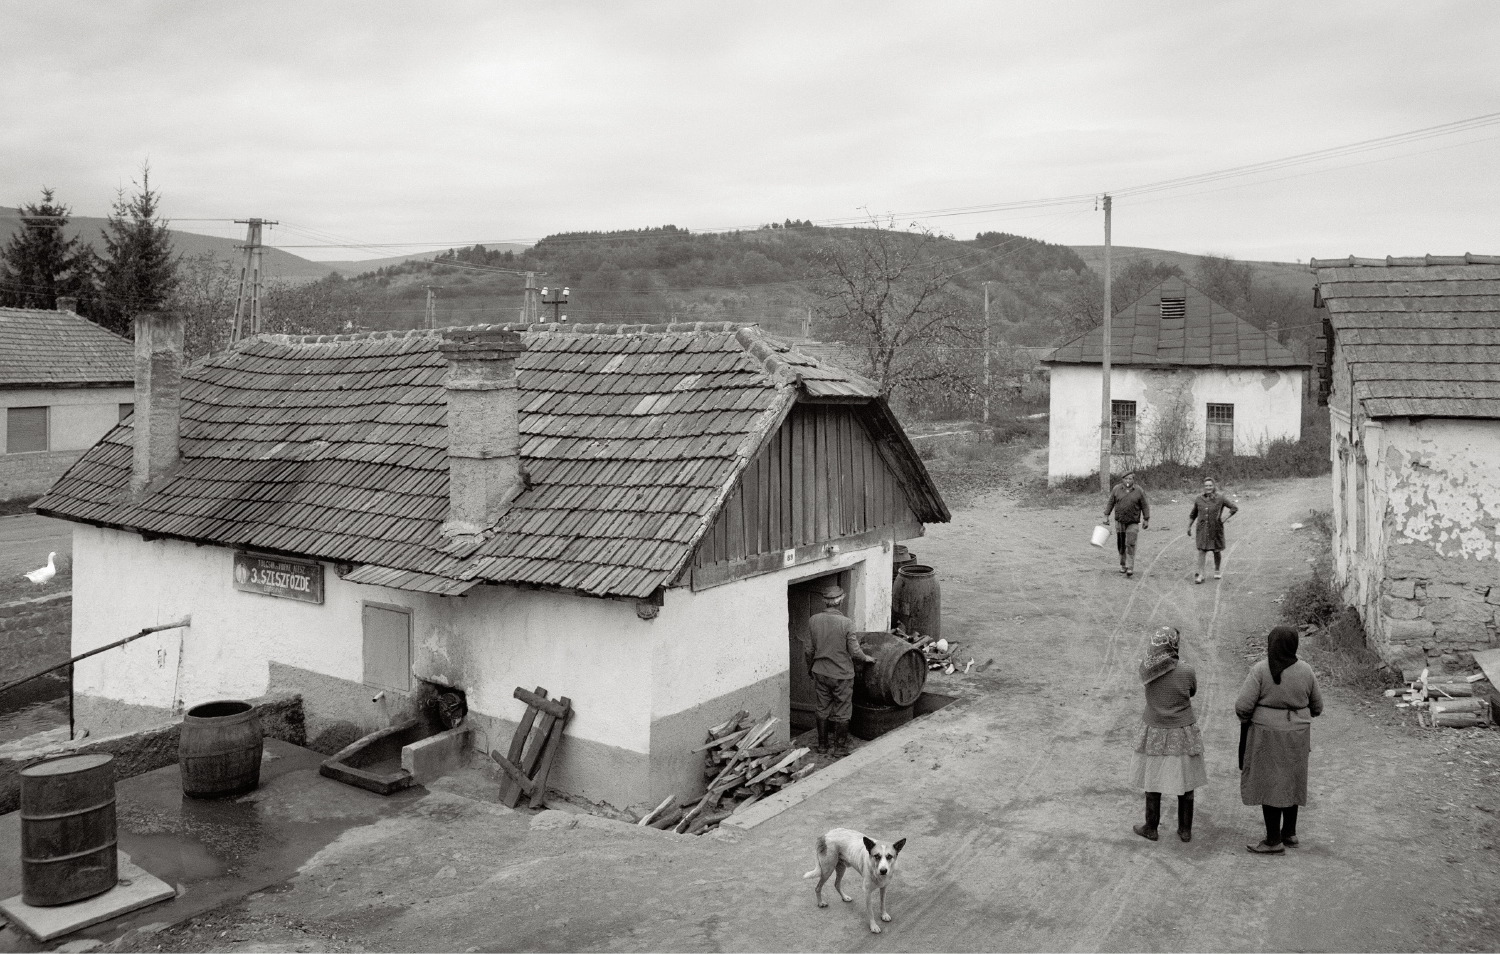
(831, 653)
(1132, 513)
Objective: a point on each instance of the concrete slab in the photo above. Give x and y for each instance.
(216, 851)
(136, 889)
(437, 755)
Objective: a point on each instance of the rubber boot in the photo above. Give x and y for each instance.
(840, 739)
(1185, 816)
(822, 747)
(1153, 817)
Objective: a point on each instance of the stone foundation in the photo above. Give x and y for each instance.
(1435, 611)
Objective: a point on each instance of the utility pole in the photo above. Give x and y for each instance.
(807, 324)
(247, 306)
(529, 300)
(431, 317)
(1106, 425)
(986, 352)
(558, 299)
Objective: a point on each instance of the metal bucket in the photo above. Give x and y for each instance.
(219, 750)
(1101, 536)
(68, 838)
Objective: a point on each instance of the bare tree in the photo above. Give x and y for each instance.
(204, 297)
(889, 297)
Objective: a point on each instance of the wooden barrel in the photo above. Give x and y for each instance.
(900, 557)
(871, 722)
(219, 750)
(896, 677)
(918, 600)
(68, 829)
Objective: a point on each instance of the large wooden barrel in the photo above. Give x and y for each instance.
(871, 722)
(896, 677)
(219, 750)
(68, 829)
(918, 600)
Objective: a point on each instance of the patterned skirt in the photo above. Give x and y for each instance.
(1169, 761)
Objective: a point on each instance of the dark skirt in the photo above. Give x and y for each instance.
(1275, 771)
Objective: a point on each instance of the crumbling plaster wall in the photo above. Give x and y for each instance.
(1428, 578)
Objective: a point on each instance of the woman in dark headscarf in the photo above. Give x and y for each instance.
(1169, 753)
(1276, 707)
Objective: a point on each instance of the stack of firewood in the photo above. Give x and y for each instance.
(1450, 702)
(740, 768)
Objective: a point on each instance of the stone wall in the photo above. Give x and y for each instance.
(1437, 611)
(35, 633)
(139, 752)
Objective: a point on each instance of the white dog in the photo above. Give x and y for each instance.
(875, 862)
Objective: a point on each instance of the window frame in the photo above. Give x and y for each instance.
(1122, 427)
(1213, 439)
(11, 429)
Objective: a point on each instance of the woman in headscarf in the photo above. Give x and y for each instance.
(1168, 756)
(1276, 707)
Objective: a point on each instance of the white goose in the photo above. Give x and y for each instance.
(43, 574)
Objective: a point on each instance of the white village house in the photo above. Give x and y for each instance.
(1415, 417)
(633, 517)
(1188, 381)
(64, 382)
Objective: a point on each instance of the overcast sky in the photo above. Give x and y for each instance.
(441, 124)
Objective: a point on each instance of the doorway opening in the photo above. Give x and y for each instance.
(804, 599)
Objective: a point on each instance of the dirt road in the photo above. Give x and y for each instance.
(1014, 800)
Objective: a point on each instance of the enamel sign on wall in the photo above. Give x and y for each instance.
(288, 579)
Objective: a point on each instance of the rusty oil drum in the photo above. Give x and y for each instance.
(897, 675)
(219, 750)
(917, 600)
(68, 836)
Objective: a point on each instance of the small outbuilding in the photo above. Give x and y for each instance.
(1189, 380)
(631, 516)
(1415, 416)
(64, 382)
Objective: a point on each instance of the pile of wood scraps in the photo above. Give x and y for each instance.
(740, 767)
(1457, 702)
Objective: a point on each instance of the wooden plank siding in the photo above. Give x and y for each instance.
(820, 477)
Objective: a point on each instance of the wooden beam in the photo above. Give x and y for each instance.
(540, 701)
(705, 577)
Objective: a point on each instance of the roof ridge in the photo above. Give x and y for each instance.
(752, 339)
(547, 327)
(1408, 261)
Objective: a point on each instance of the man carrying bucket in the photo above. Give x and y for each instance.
(1132, 512)
(831, 653)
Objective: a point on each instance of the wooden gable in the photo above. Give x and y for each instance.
(822, 478)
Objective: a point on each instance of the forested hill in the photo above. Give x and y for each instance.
(776, 276)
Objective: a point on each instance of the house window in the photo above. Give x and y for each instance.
(1220, 431)
(25, 430)
(1122, 427)
(126, 410)
(1173, 308)
(387, 647)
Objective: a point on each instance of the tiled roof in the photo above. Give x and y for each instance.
(1207, 335)
(1420, 336)
(60, 349)
(336, 448)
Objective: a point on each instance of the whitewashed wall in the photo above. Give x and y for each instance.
(1267, 406)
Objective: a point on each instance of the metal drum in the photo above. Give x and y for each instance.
(918, 600)
(68, 829)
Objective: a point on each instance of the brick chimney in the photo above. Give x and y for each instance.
(67, 304)
(484, 439)
(158, 396)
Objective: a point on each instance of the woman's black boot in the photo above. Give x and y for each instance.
(1185, 816)
(1153, 817)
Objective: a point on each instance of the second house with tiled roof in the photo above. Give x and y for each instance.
(632, 517)
(1189, 380)
(64, 382)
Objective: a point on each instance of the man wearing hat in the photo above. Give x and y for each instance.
(832, 651)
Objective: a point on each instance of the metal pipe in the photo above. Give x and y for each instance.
(186, 620)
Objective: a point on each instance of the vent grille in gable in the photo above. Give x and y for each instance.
(1173, 308)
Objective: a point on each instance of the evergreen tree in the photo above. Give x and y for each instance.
(139, 271)
(39, 263)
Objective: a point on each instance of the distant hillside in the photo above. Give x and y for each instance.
(359, 267)
(1284, 274)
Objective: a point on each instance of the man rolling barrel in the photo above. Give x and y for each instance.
(831, 653)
